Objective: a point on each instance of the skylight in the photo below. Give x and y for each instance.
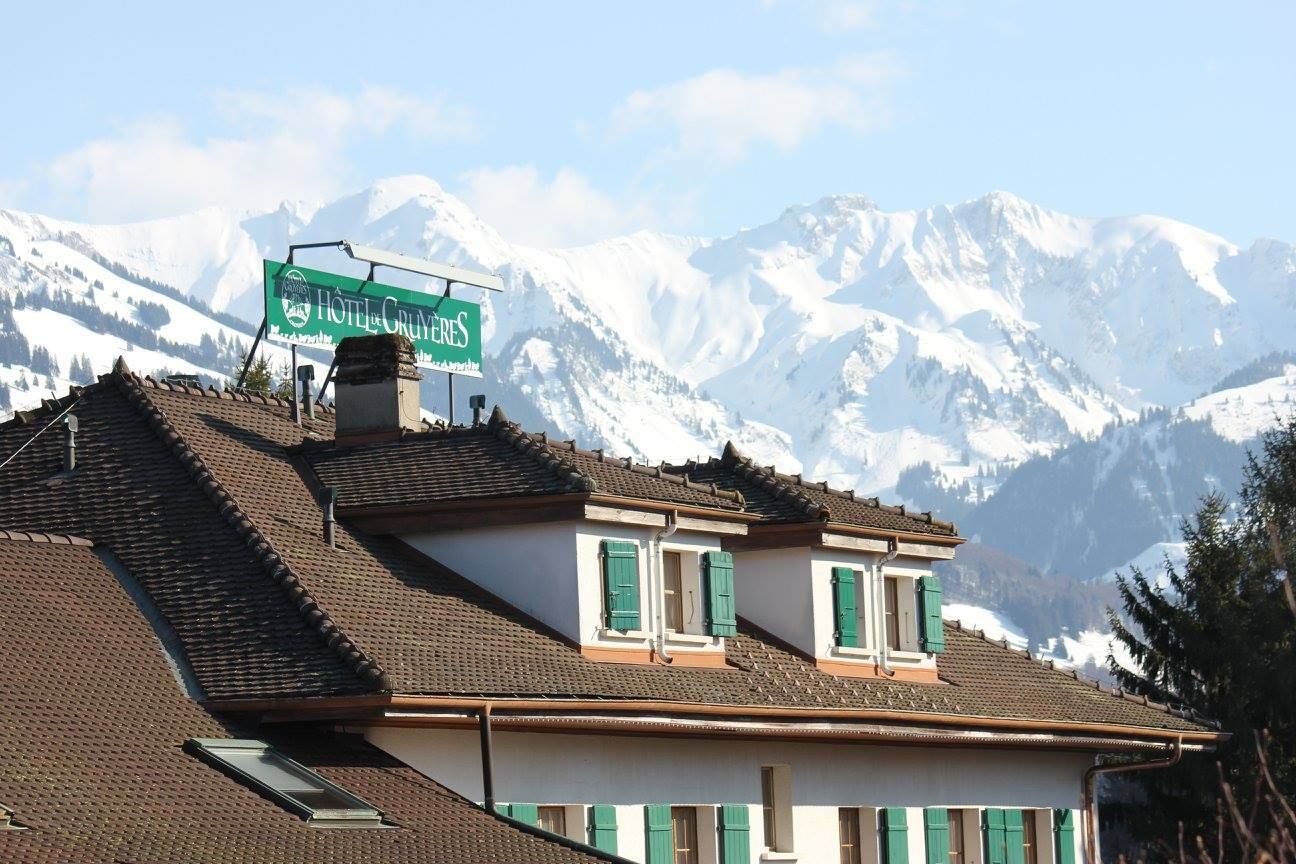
(290, 784)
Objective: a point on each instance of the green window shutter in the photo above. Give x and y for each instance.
(1014, 837)
(936, 823)
(504, 809)
(929, 613)
(735, 834)
(996, 844)
(1064, 835)
(721, 615)
(603, 828)
(657, 834)
(621, 584)
(845, 630)
(895, 824)
(528, 813)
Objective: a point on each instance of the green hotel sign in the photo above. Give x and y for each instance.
(310, 307)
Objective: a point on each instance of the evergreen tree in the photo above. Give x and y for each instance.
(265, 377)
(259, 378)
(1218, 635)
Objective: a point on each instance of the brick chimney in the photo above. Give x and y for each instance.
(376, 390)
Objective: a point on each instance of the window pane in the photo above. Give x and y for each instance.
(674, 589)
(892, 613)
(553, 820)
(956, 836)
(1028, 836)
(767, 805)
(684, 834)
(848, 829)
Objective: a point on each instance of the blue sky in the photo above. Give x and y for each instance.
(568, 122)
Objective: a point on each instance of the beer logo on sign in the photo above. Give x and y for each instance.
(294, 291)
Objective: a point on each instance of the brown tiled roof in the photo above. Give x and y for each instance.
(780, 497)
(427, 629)
(91, 727)
(497, 459)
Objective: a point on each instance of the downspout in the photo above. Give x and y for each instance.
(488, 770)
(1091, 797)
(659, 590)
(879, 604)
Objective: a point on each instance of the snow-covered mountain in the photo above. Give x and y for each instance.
(847, 342)
(838, 339)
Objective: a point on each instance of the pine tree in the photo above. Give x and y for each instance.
(259, 378)
(1219, 637)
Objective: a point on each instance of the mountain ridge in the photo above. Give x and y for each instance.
(839, 340)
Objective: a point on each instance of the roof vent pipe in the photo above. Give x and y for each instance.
(328, 497)
(306, 377)
(70, 426)
(478, 405)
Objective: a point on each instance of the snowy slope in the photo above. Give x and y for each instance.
(839, 339)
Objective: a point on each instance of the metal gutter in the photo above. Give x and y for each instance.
(367, 707)
(1091, 793)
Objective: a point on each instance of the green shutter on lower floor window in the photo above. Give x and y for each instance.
(657, 834)
(1064, 836)
(603, 828)
(936, 824)
(504, 809)
(895, 825)
(621, 584)
(929, 614)
(1014, 837)
(845, 627)
(721, 615)
(996, 846)
(528, 813)
(735, 834)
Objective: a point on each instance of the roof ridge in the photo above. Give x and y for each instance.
(792, 483)
(212, 393)
(539, 450)
(662, 471)
(39, 537)
(1186, 712)
(47, 407)
(772, 482)
(276, 567)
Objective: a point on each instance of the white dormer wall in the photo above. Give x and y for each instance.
(533, 567)
(553, 572)
(789, 592)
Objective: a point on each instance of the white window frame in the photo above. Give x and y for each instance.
(907, 614)
(781, 795)
(691, 588)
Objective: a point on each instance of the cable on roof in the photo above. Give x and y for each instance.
(14, 454)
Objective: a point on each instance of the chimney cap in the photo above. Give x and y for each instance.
(381, 357)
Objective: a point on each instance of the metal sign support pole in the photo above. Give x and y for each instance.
(450, 375)
(247, 363)
(261, 331)
(297, 408)
(319, 400)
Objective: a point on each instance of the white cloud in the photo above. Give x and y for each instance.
(722, 113)
(564, 211)
(848, 14)
(156, 167)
